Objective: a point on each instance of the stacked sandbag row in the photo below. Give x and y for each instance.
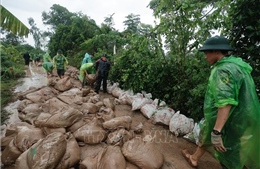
(159, 112)
(67, 127)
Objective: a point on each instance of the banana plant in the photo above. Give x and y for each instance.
(9, 22)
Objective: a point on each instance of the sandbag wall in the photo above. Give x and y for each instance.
(63, 126)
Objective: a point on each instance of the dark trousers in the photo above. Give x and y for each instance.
(98, 83)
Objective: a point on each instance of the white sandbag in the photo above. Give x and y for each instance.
(139, 102)
(194, 135)
(117, 92)
(163, 115)
(110, 87)
(180, 124)
(148, 110)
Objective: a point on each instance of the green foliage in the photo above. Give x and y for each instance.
(181, 84)
(10, 23)
(244, 32)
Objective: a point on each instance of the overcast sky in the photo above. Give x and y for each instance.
(95, 9)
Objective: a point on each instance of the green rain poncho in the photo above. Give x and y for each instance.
(89, 67)
(230, 82)
(48, 66)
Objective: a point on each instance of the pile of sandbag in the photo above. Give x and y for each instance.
(159, 112)
(64, 126)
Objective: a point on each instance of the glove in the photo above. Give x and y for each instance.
(217, 142)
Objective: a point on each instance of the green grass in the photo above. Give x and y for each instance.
(7, 87)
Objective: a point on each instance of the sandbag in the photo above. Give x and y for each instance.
(90, 133)
(41, 95)
(180, 124)
(143, 154)
(63, 84)
(10, 154)
(12, 130)
(64, 117)
(89, 108)
(108, 103)
(118, 122)
(139, 102)
(72, 154)
(148, 110)
(53, 105)
(52, 149)
(106, 114)
(111, 157)
(71, 96)
(21, 161)
(26, 138)
(119, 137)
(163, 115)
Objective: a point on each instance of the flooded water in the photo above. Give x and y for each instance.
(35, 77)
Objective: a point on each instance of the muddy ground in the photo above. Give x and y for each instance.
(167, 143)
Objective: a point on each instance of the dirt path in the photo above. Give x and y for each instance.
(167, 143)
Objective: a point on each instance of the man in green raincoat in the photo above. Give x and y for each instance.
(231, 110)
(60, 62)
(85, 70)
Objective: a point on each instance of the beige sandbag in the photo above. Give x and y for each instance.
(11, 131)
(84, 120)
(94, 98)
(21, 161)
(10, 154)
(63, 84)
(26, 138)
(106, 114)
(91, 150)
(41, 95)
(131, 166)
(71, 96)
(85, 92)
(89, 108)
(144, 154)
(90, 133)
(72, 155)
(64, 117)
(53, 105)
(99, 104)
(48, 152)
(108, 103)
(23, 104)
(112, 157)
(119, 137)
(31, 117)
(48, 130)
(91, 78)
(118, 122)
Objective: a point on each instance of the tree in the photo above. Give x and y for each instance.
(132, 23)
(244, 18)
(9, 22)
